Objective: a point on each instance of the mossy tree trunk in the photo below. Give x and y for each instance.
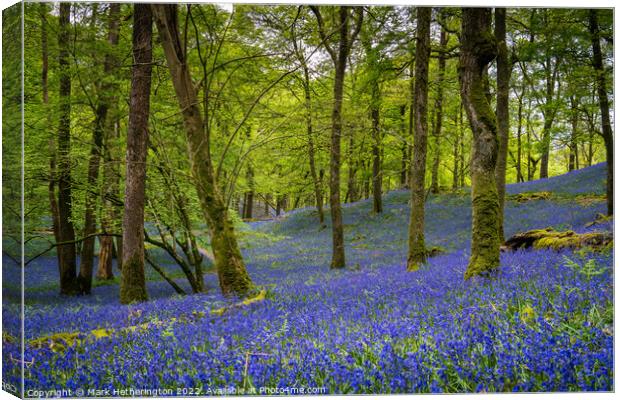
(501, 112)
(441, 66)
(68, 277)
(133, 282)
(417, 250)
(232, 274)
(478, 49)
(601, 89)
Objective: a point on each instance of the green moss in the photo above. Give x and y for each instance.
(56, 342)
(133, 281)
(8, 338)
(485, 226)
(552, 239)
(435, 251)
(417, 253)
(262, 295)
(529, 196)
(588, 200)
(569, 239)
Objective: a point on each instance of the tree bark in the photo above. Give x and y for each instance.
(573, 158)
(352, 194)
(68, 277)
(607, 133)
(52, 143)
(441, 65)
(417, 250)
(519, 133)
(111, 170)
(478, 49)
(229, 264)
(248, 203)
(105, 98)
(404, 162)
(377, 174)
(318, 192)
(549, 112)
(455, 163)
(339, 59)
(502, 113)
(90, 226)
(372, 60)
(133, 282)
(338, 256)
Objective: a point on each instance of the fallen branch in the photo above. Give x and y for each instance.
(163, 274)
(251, 300)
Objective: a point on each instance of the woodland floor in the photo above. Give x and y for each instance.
(545, 323)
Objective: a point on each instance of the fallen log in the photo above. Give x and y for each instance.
(550, 238)
(529, 196)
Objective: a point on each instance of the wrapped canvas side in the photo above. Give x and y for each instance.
(12, 204)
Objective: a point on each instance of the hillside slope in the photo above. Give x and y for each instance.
(543, 324)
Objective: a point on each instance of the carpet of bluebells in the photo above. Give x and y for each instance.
(544, 323)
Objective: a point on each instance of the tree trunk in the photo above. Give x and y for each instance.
(519, 133)
(549, 112)
(417, 250)
(404, 163)
(411, 123)
(111, 170)
(90, 226)
(109, 215)
(377, 183)
(374, 74)
(462, 154)
(340, 62)
(133, 283)
(352, 190)
(52, 143)
(455, 163)
(573, 159)
(229, 264)
(607, 133)
(318, 193)
(502, 113)
(478, 49)
(443, 42)
(248, 203)
(110, 219)
(68, 278)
